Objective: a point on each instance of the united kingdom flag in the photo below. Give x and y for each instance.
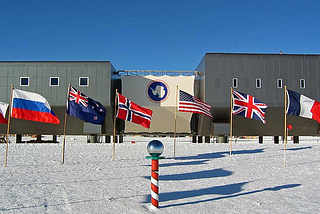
(78, 97)
(248, 106)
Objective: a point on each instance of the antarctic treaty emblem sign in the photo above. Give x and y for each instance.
(157, 91)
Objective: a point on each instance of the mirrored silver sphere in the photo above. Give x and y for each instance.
(155, 148)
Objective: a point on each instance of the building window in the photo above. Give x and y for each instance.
(54, 81)
(24, 81)
(235, 82)
(302, 83)
(258, 83)
(83, 81)
(279, 83)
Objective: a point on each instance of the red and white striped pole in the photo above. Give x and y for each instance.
(155, 149)
(155, 183)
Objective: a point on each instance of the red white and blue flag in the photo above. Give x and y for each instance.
(3, 110)
(189, 103)
(248, 106)
(303, 106)
(85, 108)
(31, 106)
(130, 111)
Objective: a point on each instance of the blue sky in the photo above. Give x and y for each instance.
(155, 35)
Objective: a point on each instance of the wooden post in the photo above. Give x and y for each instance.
(231, 117)
(8, 127)
(175, 124)
(285, 125)
(114, 126)
(65, 125)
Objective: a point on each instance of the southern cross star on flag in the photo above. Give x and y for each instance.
(85, 108)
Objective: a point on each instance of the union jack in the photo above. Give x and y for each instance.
(130, 111)
(248, 106)
(78, 97)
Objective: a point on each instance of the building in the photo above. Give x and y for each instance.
(264, 77)
(97, 80)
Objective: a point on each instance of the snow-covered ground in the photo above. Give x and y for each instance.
(203, 178)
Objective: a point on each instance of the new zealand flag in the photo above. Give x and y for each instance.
(85, 108)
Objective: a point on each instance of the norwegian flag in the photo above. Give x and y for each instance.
(248, 106)
(130, 111)
(85, 108)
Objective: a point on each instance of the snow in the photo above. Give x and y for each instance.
(202, 178)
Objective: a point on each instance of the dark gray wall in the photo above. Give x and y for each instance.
(218, 70)
(39, 73)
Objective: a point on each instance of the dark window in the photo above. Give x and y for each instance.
(258, 83)
(302, 83)
(54, 81)
(24, 81)
(83, 81)
(279, 83)
(235, 82)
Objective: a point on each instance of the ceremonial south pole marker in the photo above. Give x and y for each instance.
(155, 149)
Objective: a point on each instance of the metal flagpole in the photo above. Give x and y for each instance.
(65, 125)
(8, 127)
(175, 124)
(114, 126)
(285, 125)
(231, 121)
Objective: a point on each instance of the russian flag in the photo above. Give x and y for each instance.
(303, 106)
(31, 106)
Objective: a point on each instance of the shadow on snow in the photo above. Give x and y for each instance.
(229, 191)
(195, 175)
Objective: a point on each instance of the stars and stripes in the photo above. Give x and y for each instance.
(248, 106)
(189, 103)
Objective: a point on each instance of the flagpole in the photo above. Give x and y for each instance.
(114, 126)
(285, 125)
(8, 127)
(65, 125)
(175, 124)
(231, 120)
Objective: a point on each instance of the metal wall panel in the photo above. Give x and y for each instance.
(247, 67)
(39, 74)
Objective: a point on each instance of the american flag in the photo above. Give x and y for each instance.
(189, 103)
(248, 106)
(130, 111)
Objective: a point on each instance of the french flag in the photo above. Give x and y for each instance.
(31, 106)
(303, 106)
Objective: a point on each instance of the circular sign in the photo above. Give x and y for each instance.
(157, 91)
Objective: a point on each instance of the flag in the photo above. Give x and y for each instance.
(130, 111)
(289, 127)
(3, 110)
(189, 103)
(31, 106)
(248, 106)
(303, 106)
(85, 108)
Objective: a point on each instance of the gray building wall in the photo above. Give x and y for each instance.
(218, 70)
(101, 83)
